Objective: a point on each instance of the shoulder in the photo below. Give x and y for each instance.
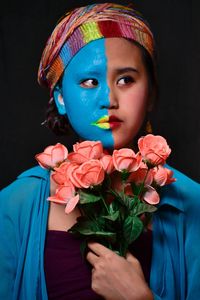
(182, 178)
(183, 194)
(24, 189)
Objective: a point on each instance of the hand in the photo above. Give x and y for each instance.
(115, 277)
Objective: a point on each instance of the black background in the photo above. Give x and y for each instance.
(24, 28)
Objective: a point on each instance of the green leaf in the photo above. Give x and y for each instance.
(121, 198)
(83, 224)
(112, 217)
(132, 228)
(127, 201)
(112, 207)
(142, 207)
(85, 227)
(88, 197)
(131, 202)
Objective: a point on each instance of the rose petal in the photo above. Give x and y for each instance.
(71, 203)
(44, 160)
(107, 163)
(151, 196)
(56, 200)
(77, 158)
(59, 153)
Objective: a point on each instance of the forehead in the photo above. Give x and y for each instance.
(112, 52)
(123, 51)
(90, 56)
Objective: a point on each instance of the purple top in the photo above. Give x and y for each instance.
(68, 275)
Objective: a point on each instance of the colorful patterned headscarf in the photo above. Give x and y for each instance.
(85, 24)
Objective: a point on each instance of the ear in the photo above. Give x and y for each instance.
(57, 94)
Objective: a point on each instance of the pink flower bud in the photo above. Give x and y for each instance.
(65, 195)
(107, 163)
(52, 156)
(85, 151)
(126, 160)
(163, 176)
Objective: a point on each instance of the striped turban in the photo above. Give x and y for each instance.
(85, 24)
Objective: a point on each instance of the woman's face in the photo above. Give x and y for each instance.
(105, 92)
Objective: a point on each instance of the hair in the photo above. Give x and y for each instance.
(60, 124)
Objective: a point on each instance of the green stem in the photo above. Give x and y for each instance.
(143, 183)
(105, 205)
(102, 198)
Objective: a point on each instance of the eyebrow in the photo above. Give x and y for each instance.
(126, 69)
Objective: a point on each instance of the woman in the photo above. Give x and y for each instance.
(99, 66)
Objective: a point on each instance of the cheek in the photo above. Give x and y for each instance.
(80, 111)
(133, 107)
(83, 104)
(137, 101)
(76, 101)
(83, 109)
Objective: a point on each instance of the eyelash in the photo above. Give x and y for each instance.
(130, 80)
(93, 83)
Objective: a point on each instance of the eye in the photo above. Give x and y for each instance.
(89, 83)
(125, 80)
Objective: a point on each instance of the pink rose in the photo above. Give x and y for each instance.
(85, 151)
(52, 156)
(154, 149)
(163, 176)
(107, 163)
(65, 195)
(142, 175)
(72, 175)
(60, 175)
(151, 196)
(88, 174)
(126, 159)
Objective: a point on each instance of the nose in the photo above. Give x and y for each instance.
(110, 99)
(113, 98)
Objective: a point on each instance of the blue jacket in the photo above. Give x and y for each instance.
(175, 271)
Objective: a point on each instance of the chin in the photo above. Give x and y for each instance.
(125, 144)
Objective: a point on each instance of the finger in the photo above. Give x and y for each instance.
(130, 257)
(99, 249)
(135, 263)
(92, 258)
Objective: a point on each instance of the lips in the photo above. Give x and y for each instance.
(102, 123)
(107, 122)
(114, 122)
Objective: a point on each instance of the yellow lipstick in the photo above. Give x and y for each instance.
(102, 123)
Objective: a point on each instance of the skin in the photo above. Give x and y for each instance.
(129, 90)
(84, 101)
(115, 277)
(120, 88)
(105, 78)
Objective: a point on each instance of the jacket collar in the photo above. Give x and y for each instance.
(36, 172)
(171, 196)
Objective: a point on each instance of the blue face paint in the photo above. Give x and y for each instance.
(86, 93)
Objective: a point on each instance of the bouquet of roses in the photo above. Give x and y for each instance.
(116, 194)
